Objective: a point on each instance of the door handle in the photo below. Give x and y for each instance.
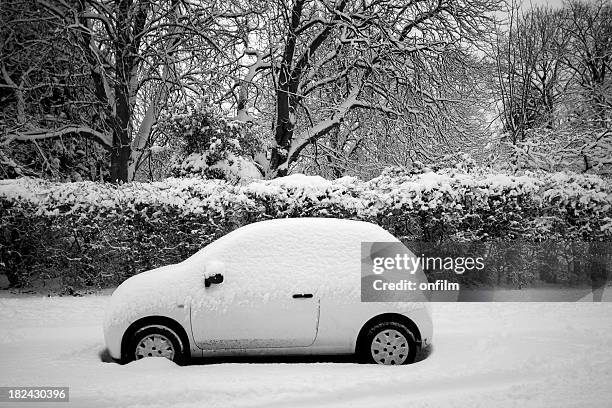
(302, 295)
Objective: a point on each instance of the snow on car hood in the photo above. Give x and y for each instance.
(153, 292)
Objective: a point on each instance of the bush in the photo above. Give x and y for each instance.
(211, 146)
(95, 234)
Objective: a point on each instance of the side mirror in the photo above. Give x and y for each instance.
(215, 279)
(213, 273)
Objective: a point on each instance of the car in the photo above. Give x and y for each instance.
(275, 287)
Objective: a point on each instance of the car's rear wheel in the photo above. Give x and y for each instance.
(389, 343)
(156, 341)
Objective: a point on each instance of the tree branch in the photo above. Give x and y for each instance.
(69, 130)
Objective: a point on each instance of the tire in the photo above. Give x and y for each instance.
(388, 343)
(156, 341)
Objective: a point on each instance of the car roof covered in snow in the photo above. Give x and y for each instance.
(303, 237)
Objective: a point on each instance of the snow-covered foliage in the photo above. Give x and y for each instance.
(211, 145)
(580, 150)
(88, 229)
(446, 193)
(70, 159)
(230, 167)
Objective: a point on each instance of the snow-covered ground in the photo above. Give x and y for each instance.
(485, 355)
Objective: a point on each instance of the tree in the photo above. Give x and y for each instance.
(554, 87)
(132, 57)
(529, 60)
(209, 145)
(321, 61)
(42, 84)
(590, 27)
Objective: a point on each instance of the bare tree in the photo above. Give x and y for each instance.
(590, 28)
(529, 59)
(324, 60)
(554, 86)
(133, 57)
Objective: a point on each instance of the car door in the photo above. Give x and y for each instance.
(264, 300)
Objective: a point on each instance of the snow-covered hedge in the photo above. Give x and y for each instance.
(99, 234)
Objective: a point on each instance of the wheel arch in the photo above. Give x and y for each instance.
(154, 320)
(387, 317)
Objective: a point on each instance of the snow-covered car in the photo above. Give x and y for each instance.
(277, 287)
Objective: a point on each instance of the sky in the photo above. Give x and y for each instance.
(551, 3)
(527, 4)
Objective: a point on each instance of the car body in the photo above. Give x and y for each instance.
(285, 286)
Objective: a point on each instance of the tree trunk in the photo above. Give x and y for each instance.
(284, 131)
(125, 47)
(598, 254)
(279, 157)
(120, 158)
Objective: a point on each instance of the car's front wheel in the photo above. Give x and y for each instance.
(156, 341)
(389, 343)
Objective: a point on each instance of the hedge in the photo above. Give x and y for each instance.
(89, 234)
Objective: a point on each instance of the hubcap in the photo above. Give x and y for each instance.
(389, 347)
(155, 345)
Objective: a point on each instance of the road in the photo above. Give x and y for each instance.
(484, 355)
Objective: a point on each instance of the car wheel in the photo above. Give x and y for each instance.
(389, 343)
(156, 341)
